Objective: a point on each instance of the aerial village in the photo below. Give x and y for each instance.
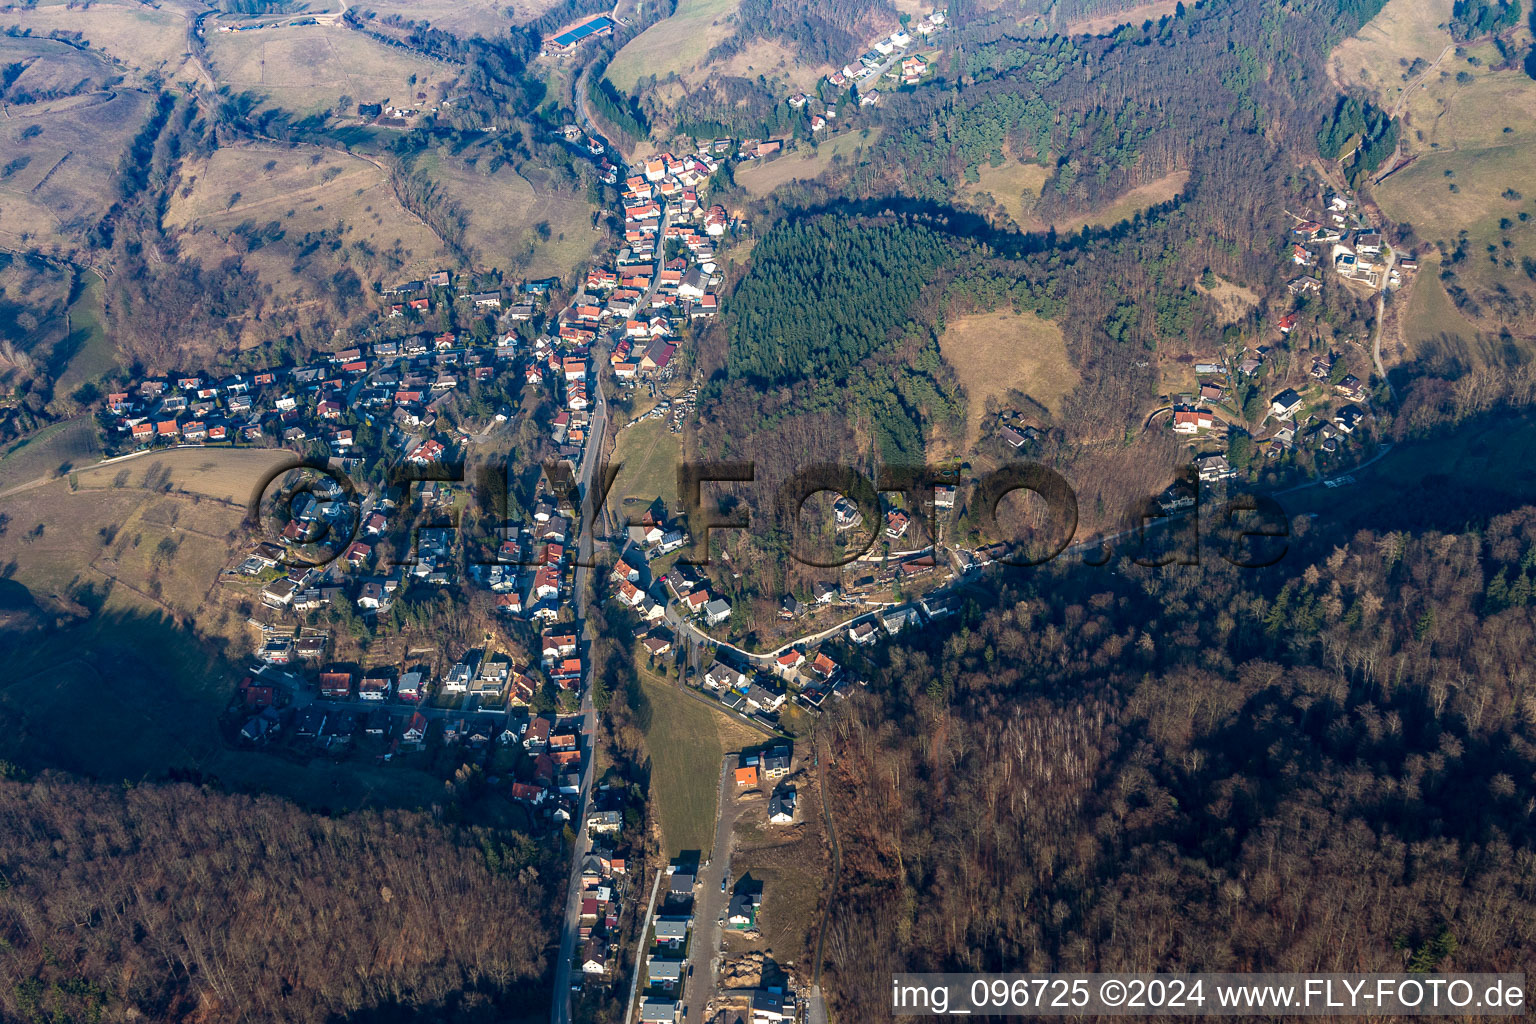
(337, 554)
(886, 58)
(1315, 404)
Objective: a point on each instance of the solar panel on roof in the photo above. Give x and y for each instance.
(581, 32)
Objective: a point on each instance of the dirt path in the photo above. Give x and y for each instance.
(1423, 75)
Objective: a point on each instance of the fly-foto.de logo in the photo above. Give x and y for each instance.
(1020, 514)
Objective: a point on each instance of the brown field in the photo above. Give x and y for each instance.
(1475, 150)
(45, 454)
(306, 69)
(781, 66)
(1231, 298)
(167, 548)
(1127, 206)
(995, 353)
(1430, 312)
(792, 864)
(61, 188)
(505, 210)
(1105, 23)
(1014, 186)
(144, 38)
(52, 65)
(762, 177)
(1404, 30)
(1435, 333)
(1464, 129)
(224, 474)
(308, 189)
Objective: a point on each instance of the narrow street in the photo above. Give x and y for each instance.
(560, 1012)
(710, 905)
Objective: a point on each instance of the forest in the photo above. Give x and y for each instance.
(177, 902)
(1325, 765)
(1373, 131)
(1232, 95)
(824, 293)
(1473, 19)
(820, 31)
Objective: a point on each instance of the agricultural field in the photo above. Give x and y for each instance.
(1431, 314)
(56, 159)
(522, 228)
(1439, 337)
(649, 455)
(223, 474)
(86, 349)
(53, 69)
(1473, 137)
(1479, 141)
(307, 69)
(685, 764)
(687, 740)
(763, 176)
(143, 39)
(996, 353)
(165, 546)
(675, 45)
(47, 453)
(1406, 36)
(259, 202)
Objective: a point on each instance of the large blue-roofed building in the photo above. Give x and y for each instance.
(582, 31)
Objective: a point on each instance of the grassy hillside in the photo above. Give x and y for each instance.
(267, 203)
(676, 44)
(56, 160)
(307, 69)
(996, 353)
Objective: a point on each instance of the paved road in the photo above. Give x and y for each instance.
(710, 903)
(816, 1007)
(640, 944)
(560, 1011)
